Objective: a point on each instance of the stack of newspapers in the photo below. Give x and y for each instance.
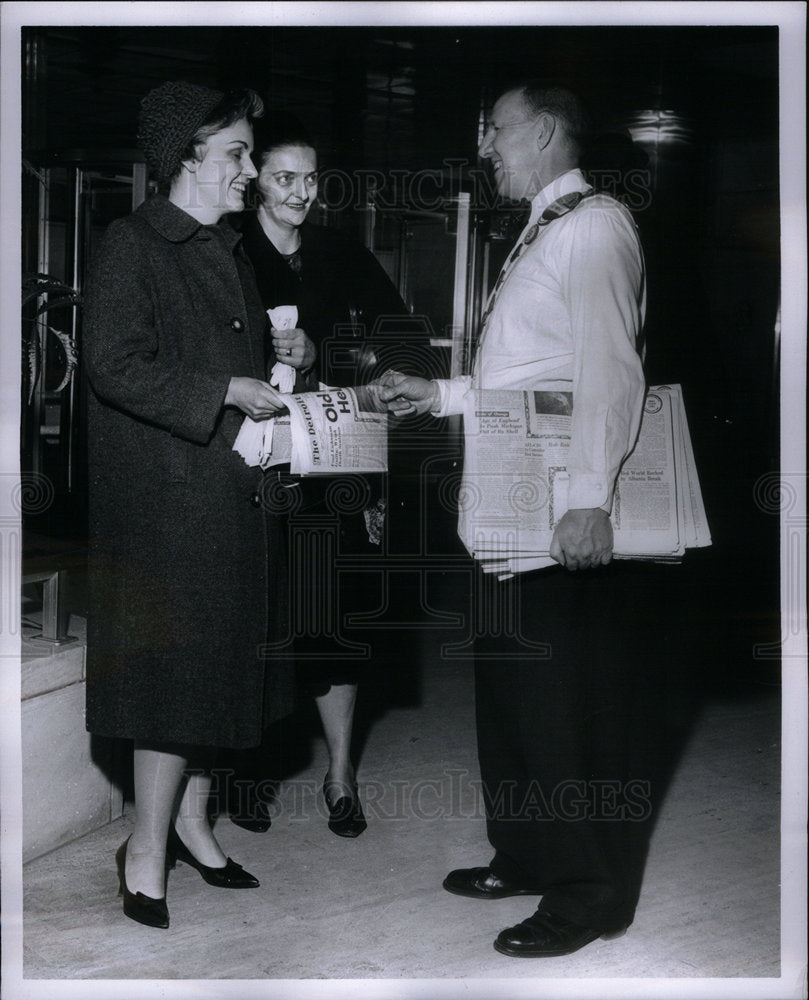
(514, 487)
(321, 433)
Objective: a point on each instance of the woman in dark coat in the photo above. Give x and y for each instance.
(336, 285)
(186, 568)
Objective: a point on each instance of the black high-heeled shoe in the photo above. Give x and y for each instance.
(252, 813)
(258, 822)
(346, 818)
(144, 909)
(229, 876)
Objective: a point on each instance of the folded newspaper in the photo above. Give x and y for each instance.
(514, 487)
(323, 433)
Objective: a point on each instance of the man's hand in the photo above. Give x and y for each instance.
(253, 397)
(294, 348)
(583, 539)
(407, 394)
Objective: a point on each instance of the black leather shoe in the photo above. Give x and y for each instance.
(545, 935)
(229, 876)
(346, 818)
(257, 821)
(482, 883)
(144, 909)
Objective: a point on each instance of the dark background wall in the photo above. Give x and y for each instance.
(410, 99)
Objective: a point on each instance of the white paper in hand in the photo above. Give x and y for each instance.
(249, 442)
(283, 318)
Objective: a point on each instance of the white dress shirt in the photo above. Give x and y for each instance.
(568, 317)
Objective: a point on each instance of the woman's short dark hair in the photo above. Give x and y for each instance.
(278, 128)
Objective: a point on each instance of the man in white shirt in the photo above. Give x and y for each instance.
(558, 731)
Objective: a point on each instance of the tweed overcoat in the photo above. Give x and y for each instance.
(187, 572)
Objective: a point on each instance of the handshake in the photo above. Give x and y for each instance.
(399, 395)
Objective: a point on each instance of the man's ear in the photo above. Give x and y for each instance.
(546, 128)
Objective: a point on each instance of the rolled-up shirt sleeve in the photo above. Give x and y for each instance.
(600, 272)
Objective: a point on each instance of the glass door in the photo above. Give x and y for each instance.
(74, 202)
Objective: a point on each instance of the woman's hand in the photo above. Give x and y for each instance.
(294, 348)
(253, 397)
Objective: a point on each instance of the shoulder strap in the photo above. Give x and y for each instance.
(563, 205)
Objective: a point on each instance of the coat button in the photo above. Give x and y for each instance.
(236, 324)
(255, 499)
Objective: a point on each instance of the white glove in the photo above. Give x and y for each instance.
(283, 318)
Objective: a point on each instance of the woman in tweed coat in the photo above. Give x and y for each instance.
(187, 569)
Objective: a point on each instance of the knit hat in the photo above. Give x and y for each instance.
(170, 116)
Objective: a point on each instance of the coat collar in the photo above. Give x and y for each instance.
(177, 226)
(248, 223)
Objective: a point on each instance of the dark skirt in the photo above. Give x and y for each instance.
(335, 532)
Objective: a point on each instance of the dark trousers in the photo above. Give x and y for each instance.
(571, 678)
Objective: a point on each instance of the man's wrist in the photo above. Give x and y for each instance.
(587, 490)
